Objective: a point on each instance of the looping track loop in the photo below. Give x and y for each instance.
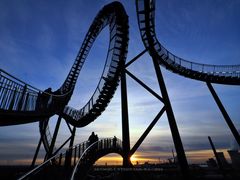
(116, 18)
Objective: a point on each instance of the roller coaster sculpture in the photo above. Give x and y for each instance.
(21, 103)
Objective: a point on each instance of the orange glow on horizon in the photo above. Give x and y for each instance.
(111, 159)
(133, 158)
(196, 156)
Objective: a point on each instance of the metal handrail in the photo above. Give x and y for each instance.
(76, 166)
(42, 165)
(36, 169)
(16, 95)
(190, 65)
(86, 150)
(2, 72)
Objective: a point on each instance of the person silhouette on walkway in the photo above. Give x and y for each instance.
(114, 141)
(42, 102)
(48, 99)
(92, 138)
(96, 138)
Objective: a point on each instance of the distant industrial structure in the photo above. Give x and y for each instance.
(221, 161)
(235, 158)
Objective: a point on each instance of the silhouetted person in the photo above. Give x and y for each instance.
(96, 138)
(44, 98)
(91, 139)
(114, 141)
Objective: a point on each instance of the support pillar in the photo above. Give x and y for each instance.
(36, 153)
(69, 153)
(215, 153)
(224, 113)
(182, 160)
(50, 152)
(146, 132)
(73, 137)
(125, 124)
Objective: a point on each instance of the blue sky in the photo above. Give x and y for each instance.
(40, 40)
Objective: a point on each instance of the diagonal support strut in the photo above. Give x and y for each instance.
(144, 85)
(135, 58)
(224, 113)
(146, 132)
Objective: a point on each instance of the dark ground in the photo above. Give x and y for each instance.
(138, 173)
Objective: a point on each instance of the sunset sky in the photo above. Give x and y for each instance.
(39, 41)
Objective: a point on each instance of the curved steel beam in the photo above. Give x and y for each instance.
(95, 151)
(221, 74)
(116, 18)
